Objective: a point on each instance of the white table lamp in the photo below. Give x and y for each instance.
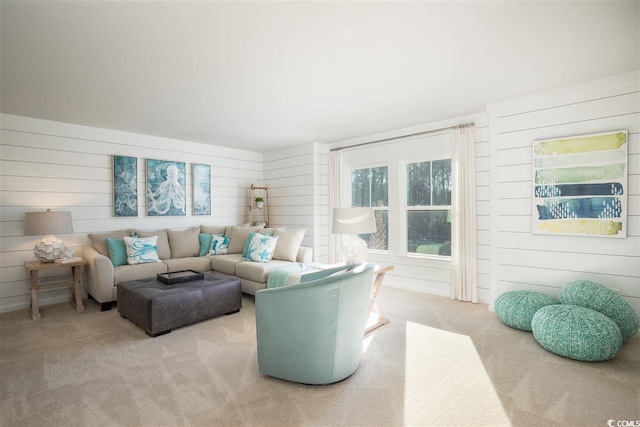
(350, 222)
(48, 223)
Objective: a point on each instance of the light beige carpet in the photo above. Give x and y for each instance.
(438, 362)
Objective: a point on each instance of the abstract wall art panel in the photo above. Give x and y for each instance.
(166, 188)
(580, 185)
(201, 189)
(125, 186)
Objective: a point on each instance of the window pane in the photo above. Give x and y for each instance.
(379, 195)
(442, 182)
(360, 189)
(380, 239)
(429, 232)
(419, 184)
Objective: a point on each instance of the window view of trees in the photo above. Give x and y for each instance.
(369, 188)
(429, 207)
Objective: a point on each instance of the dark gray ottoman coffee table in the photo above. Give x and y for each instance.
(158, 308)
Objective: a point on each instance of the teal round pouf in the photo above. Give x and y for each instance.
(595, 296)
(576, 332)
(516, 308)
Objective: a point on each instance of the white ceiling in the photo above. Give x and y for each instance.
(264, 75)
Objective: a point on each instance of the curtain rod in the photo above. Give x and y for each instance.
(403, 136)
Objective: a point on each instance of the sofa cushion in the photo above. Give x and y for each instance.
(213, 229)
(271, 230)
(257, 271)
(260, 248)
(185, 243)
(164, 251)
(99, 241)
(117, 251)
(226, 263)
(289, 242)
(188, 263)
(239, 237)
(141, 250)
(124, 273)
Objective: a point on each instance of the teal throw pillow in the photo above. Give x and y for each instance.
(246, 245)
(117, 251)
(141, 250)
(260, 248)
(205, 244)
(219, 245)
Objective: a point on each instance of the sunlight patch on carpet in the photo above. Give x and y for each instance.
(445, 381)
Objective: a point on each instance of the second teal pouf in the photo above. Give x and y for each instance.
(516, 308)
(576, 332)
(595, 296)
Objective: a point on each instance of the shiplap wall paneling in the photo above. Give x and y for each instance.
(321, 214)
(289, 174)
(54, 165)
(546, 263)
(483, 209)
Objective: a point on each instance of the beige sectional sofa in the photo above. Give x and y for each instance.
(179, 250)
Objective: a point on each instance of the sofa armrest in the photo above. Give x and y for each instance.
(305, 255)
(100, 275)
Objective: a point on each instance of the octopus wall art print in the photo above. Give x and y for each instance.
(125, 186)
(201, 189)
(166, 193)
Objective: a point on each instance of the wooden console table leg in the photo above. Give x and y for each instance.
(35, 310)
(373, 304)
(76, 298)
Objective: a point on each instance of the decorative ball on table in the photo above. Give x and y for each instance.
(516, 308)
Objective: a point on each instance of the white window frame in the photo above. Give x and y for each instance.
(375, 208)
(404, 208)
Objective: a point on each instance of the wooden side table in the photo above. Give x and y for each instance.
(34, 267)
(373, 304)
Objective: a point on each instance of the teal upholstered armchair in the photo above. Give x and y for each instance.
(312, 333)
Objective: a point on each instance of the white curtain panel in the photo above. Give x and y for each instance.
(335, 169)
(464, 283)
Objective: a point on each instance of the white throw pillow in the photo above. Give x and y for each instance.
(141, 250)
(261, 248)
(239, 236)
(219, 245)
(289, 242)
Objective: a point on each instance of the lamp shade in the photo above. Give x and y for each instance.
(353, 221)
(45, 223)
